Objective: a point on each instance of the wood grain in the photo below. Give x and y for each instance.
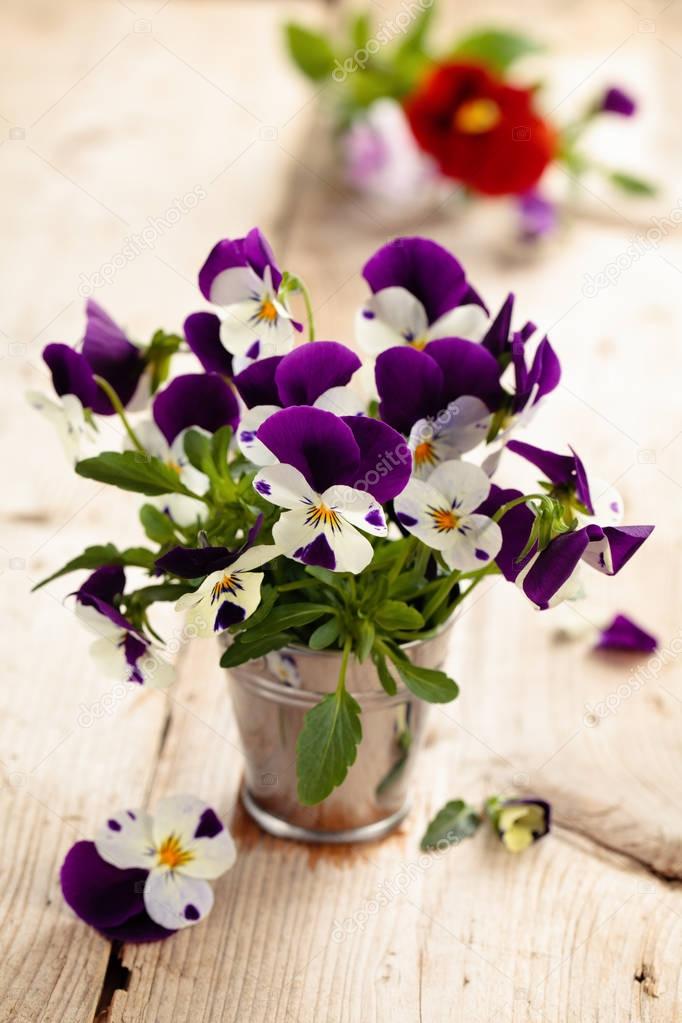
(584, 927)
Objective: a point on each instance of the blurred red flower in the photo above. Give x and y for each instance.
(482, 131)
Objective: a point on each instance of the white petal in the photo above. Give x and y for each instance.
(126, 840)
(96, 622)
(152, 440)
(343, 401)
(236, 285)
(247, 593)
(415, 508)
(392, 316)
(468, 321)
(178, 815)
(459, 428)
(607, 502)
(475, 543)
(463, 485)
(157, 673)
(357, 507)
(211, 857)
(598, 556)
(284, 486)
(293, 533)
(254, 557)
(174, 900)
(77, 436)
(249, 445)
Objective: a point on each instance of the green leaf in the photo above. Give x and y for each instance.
(156, 524)
(360, 30)
(268, 596)
(327, 746)
(291, 616)
(220, 445)
(394, 615)
(311, 51)
(385, 677)
(497, 49)
(153, 594)
(103, 554)
(631, 185)
(197, 447)
(130, 470)
(414, 40)
(457, 820)
(158, 356)
(365, 640)
(242, 651)
(427, 683)
(324, 635)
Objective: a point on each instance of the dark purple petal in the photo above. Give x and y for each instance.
(252, 251)
(100, 591)
(467, 368)
(554, 566)
(616, 101)
(106, 898)
(624, 542)
(424, 268)
(317, 443)
(545, 373)
(133, 649)
(385, 459)
(202, 333)
(496, 339)
(410, 387)
(516, 525)
(228, 614)
(538, 216)
(256, 383)
(317, 553)
(562, 470)
(111, 355)
(196, 399)
(311, 369)
(71, 374)
(194, 562)
(209, 824)
(624, 634)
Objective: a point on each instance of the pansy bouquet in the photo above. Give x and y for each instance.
(287, 504)
(411, 121)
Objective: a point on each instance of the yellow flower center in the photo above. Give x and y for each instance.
(419, 343)
(173, 465)
(171, 854)
(477, 116)
(227, 584)
(267, 311)
(321, 515)
(425, 454)
(444, 519)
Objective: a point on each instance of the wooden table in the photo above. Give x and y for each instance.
(113, 111)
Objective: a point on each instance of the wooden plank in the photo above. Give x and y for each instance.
(134, 108)
(584, 927)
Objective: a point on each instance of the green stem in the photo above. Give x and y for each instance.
(341, 684)
(308, 310)
(517, 501)
(118, 408)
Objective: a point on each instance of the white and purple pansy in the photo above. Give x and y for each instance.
(121, 650)
(314, 374)
(230, 592)
(442, 513)
(145, 877)
(200, 401)
(442, 397)
(549, 576)
(567, 473)
(242, 279)
(333, 475)
(419, 294)
(105, 352)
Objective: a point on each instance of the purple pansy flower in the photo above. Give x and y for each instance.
(200, 401)
(538, 216)
(313, 374)
(145, 877)
(334, 472)
(624, 634)
(442, 397)
(122, 650)
(564, 471)
(442, 513)
(241, 277)
(230, 591)
(616, 101)
(519, 822)
(550, 575)
(419, 294)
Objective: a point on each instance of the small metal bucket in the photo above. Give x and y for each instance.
(271, 696)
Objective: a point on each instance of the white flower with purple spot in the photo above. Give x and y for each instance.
(441, 512)
(231, 593)
(183, 847)
(75, 427)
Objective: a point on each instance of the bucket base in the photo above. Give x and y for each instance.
(280, 828)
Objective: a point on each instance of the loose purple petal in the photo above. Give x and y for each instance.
(196, 399)
(616, 101)
(106, 898)
(311, 369)
(202, 333)
(624, 634)
(538, 216)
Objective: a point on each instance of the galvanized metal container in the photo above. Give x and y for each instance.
(271, 696)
